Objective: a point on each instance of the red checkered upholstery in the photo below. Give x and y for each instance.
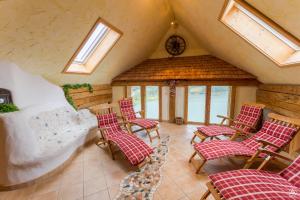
(215, 130)
(214, 149)
(134, 148)
(248, 184)
(292, 173)
(249, 115)
(126, 107)
(144, 123)
(271, 132)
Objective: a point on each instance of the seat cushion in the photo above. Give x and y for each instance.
(134, 148)
(222, 148)
(292, 173)
(247, 184)
(215, 130)
(144, 123)
(272, 132)
(249, 115)
(127, 110)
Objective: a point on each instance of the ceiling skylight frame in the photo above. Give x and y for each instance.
(269, 25)
(107, 35)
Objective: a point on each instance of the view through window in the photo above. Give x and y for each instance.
(152, 102)
(196, 103)
(219, 103)
(136, 98)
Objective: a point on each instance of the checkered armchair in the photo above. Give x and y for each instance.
(247, 121)
(247, 184)
(135, 150)
(274, 135)
(130, 117)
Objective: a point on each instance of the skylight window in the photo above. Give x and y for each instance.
(264, 34)
(91, 52)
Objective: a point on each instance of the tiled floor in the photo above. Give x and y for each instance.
(93, 175)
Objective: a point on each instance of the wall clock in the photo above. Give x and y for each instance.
(175, 45)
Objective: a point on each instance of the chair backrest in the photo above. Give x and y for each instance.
(250, 114)
(110, 123)
(126, 108)
(278, 130)
(292, 172)
(103, 108)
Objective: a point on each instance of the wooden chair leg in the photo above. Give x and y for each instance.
(149, 135)
(192, 140)
(250, 161)
(200, 167)
(111, 150)
(193, 155)
(157, 133)
(205, 195)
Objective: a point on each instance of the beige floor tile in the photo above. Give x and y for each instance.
(113, 191)
(72, 178)
(45, 196)
(51, 185)
(72, 192)
(94, 185)
(101, 195)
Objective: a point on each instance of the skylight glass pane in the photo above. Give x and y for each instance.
(268, 27)
(264, 34)
(91, 44)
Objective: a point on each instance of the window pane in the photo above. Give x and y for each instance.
(219, 104)
(196, 104)
(136, 97)
(152, 102)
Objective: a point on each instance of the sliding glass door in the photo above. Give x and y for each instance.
(136, 97)
(219, 103)
(152, 102)
(196, 103)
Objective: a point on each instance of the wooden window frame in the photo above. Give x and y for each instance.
(266, 20)
(99, 20)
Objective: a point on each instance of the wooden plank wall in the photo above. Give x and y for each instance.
(284, 99)
(84, 99)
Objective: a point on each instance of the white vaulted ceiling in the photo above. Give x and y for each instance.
(41, 36)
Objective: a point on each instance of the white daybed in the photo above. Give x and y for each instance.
(43, 134)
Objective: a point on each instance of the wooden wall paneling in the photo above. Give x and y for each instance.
(85, 99)
(284, 99)
(232, 102)
(160, 103)
(186, 104)
(207, 105)
(143, 100)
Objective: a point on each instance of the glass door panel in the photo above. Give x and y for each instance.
(196, 103)
(219, 104)
(152, 102)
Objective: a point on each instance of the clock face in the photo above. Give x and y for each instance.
(175, 45)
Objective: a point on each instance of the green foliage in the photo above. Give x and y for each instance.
(67, 87)
(5, 108)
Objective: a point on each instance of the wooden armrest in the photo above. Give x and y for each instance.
(224, 117)
(243, 124)
(140, 112)
(266, 143)
(274, 154)
(102, 129)
(239, 130)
